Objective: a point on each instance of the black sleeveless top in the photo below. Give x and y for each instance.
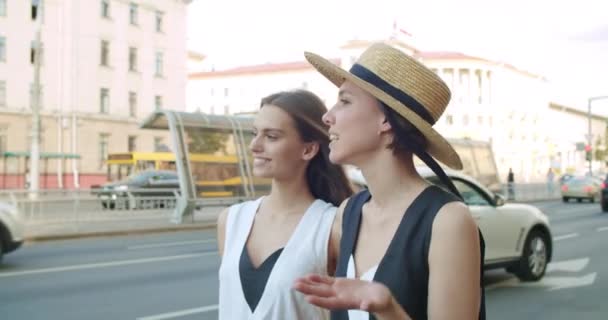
(254, 280)
(404, 268)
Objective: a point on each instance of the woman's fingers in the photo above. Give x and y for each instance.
(331, 303)
(323, 279)
(313, 288)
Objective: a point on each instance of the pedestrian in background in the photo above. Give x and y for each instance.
(550, 181)
(511, 184)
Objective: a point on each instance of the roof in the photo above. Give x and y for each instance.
(43, 155)
(258, 69)
(559, 107)
(160, 120)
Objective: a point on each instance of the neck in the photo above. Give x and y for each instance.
(289, 195)
(392, 180)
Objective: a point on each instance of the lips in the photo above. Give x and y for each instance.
(257, 161)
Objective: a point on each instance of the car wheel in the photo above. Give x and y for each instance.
(592, 199)
(579, 200)
(565, 199)
(533, 263)
(1, 247)
(604, 206)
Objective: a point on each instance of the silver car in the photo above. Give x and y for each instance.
(580, 188)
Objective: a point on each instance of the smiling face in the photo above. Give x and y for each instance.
(356, 125)
(277, 147)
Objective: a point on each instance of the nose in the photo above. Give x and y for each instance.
(255, 144)
(328, 117)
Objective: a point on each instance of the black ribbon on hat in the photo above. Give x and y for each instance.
(407, 100)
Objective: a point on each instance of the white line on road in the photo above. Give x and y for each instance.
(105, 264)
(170, 244)
(181, 313)
(600, 229)
(566, 236)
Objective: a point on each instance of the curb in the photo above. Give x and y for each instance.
(34, 239)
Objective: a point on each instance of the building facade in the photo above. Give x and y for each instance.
(491, 101)
(104, 66)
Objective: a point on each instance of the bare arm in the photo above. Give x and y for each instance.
(221, 230)
(454, 260)
(334, 240)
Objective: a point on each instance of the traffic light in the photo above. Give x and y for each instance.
(588, 153)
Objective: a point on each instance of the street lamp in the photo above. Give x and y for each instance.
(589, 136)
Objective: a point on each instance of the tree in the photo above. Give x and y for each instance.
(203, 140)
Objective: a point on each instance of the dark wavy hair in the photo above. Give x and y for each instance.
(326, 181)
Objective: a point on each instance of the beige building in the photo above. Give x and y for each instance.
(105, 65)
(491, 101)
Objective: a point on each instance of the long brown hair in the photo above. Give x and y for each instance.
(326, 181)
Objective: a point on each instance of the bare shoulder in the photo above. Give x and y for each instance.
(454, 218)
(223, 217)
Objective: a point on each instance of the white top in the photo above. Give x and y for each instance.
(367, 276)
(305, 252)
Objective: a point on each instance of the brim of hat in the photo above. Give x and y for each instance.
(438, 146)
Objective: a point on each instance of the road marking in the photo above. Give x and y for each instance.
(550, 283)
(574, 265)
(600, 229)
(170, 244)
(566, 236)
(181, 313)
(105, 264)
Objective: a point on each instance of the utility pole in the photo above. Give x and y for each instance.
(589, 136)
(34, 171)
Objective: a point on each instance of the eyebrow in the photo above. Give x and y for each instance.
(343, 92)
(269, 130)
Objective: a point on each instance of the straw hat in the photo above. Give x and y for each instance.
(402, 83)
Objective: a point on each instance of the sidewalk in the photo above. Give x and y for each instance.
(46, 231)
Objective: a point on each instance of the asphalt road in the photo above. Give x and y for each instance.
(174, 276)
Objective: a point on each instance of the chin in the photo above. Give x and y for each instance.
(336, 158)
(260, 173)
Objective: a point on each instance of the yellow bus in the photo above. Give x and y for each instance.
(214, 175)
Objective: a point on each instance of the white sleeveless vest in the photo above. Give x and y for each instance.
(304, 253)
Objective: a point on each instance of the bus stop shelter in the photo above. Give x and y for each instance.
(210, 134)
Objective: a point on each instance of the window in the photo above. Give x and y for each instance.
(479, 90)
(2, 8)
(158, 102)
(159, 64)
(36, 8)
(105, 8)
(103, 148)
(2, 93)
(3, 137)
(132, 104)
(133, 13)
(2, 48)
(226, 109)
(104, 100)
(449, 119)
(158, 144)
(132, 59)
(480, 120)
(159, 21)
(33, 92)
(465, 120)
(463, 92)
(304, 85)
(470, 195)
(105, 53)
(36, 47)
(226, 92)
(131, 143)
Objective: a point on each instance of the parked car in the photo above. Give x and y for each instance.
(11, 229)
(138, 189)
(580, 188)
(517, 236)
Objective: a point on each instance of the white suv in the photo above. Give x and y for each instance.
(11, 229)
(517, 236)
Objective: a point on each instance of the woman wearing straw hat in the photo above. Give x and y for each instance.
(408, 249)
(267, 243)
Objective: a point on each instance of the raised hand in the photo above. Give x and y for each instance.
(343, 293)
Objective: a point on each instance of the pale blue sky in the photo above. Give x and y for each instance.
(567, 41)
